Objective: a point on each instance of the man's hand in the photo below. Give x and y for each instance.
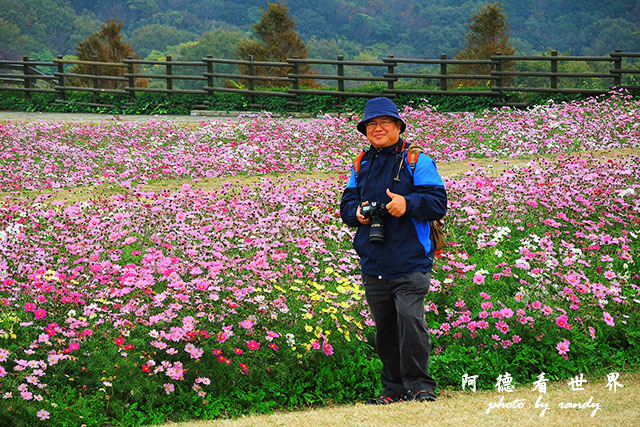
(361, 218)
(398, 204)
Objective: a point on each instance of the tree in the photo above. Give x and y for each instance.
(107, 46)
(218, 43)
(12, 42)
(278, 41)
(157, 37)
(488, 34)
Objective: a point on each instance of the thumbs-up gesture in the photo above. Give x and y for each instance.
(398, 204)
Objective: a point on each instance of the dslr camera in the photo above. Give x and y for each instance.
(377, 212)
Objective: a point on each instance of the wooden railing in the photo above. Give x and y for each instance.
(396, 76)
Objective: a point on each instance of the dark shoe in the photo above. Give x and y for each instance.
(424, 396)
(386, 400)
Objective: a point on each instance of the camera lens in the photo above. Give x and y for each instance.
(376, 234)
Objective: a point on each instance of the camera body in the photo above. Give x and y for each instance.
(377, 212)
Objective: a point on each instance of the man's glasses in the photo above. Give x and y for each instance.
(384, 123)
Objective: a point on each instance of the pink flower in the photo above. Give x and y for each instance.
(29, 306)
(478, 279)
(40, 313)
(608, 319)
(203, 380)
(247, 324)
(327, 348)
(563, 348)
(42, 414)
(502, 326)
(168, 388)
(506, 312)
(253, 345)
(562, 322)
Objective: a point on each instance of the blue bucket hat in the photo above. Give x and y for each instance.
(377, 107)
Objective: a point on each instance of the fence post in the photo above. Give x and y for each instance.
(617, 66)
(295, 85)
(61, 92)
(443, 72)
(132, 80)
(390, 70)
(295, 69)
(340, 81)
(210, 78)
(251, 73)
(27, 80)
(96, 83)
(169, 69)
(554, 69)
(498, 65)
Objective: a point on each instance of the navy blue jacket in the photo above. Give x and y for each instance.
(407, 247)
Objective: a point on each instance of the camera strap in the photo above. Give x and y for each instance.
(399, 161)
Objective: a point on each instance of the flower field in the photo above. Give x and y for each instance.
(148, 306)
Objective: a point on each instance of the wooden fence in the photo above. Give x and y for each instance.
(139, 76)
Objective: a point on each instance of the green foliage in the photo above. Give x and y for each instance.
(418, 28)
(183, 104)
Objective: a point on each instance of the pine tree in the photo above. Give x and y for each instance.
(278, 41)
(488, 35)
(107, 46)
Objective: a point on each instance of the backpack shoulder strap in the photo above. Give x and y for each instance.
(413, 153)
(356, 163)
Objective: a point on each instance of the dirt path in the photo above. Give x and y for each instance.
(446, 169)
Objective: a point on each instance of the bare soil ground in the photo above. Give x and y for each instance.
(455, 169)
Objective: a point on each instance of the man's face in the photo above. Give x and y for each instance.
(383, 131)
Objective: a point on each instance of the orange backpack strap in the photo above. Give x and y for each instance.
(356, 163)
(412, 159)
(412, 155)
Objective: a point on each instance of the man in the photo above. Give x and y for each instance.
(395, 250)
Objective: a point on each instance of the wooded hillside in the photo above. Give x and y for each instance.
(356, 29)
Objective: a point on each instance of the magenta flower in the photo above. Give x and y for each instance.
(608, 319)
(563, 348)
(327, 349)
(561, 321)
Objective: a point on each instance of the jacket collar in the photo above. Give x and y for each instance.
(398, 147)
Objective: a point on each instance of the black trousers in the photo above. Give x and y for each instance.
(402, 337)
